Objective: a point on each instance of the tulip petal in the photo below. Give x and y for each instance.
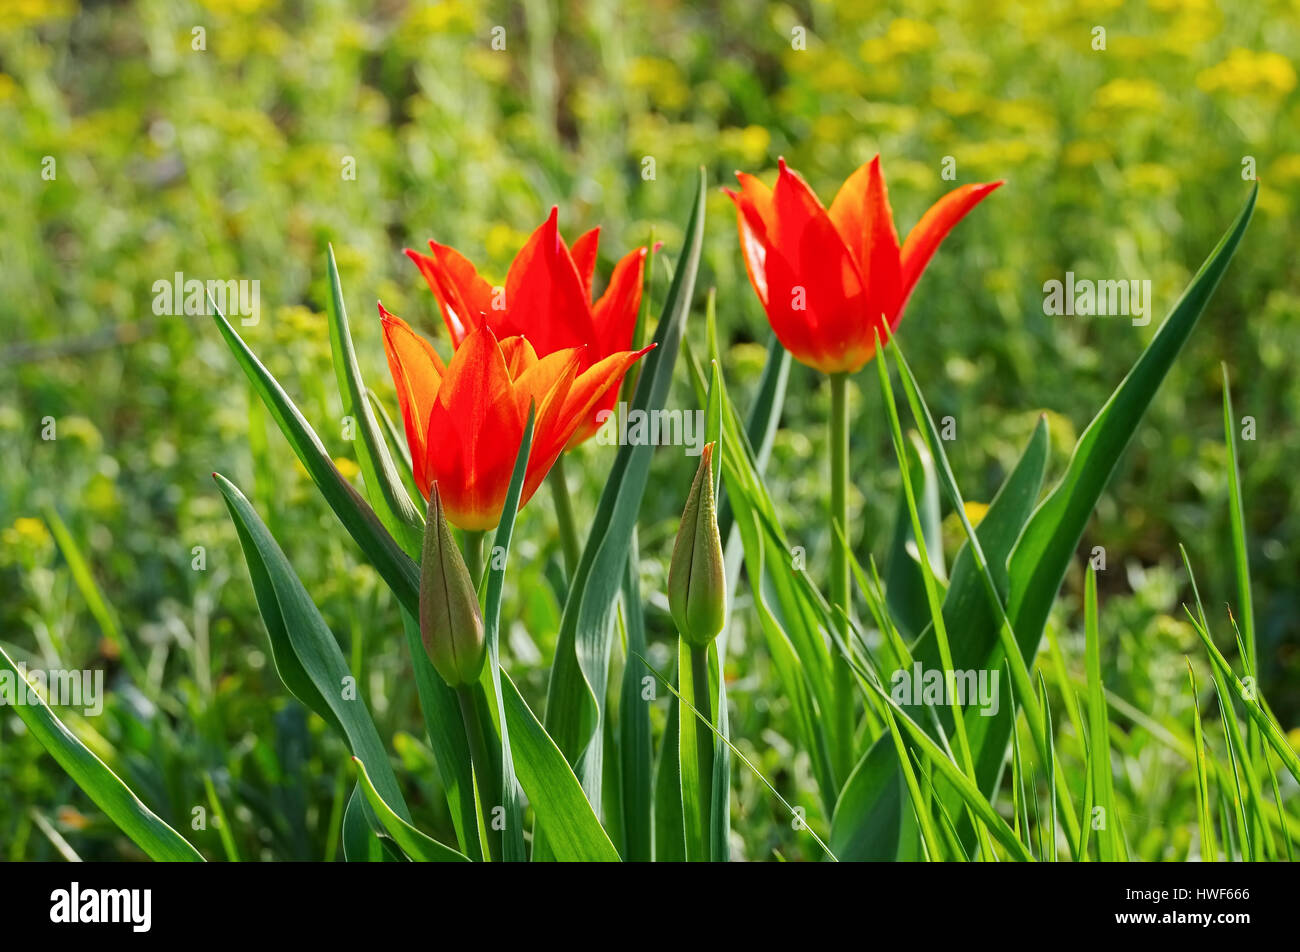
(924, 239)
(863, 218)
(545, 299)
(462, 295)
(546, 384)
(590, 392)
(519, 355)
(584, 257)
(417, 372)
(616, 311)
(754, 212)
(816, 290)
(474, 433)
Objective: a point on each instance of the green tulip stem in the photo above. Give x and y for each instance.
(486, 773)
(474, 555)
(564, 515)
(703, 702)
(840, 596)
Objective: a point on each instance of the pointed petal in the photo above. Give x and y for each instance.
(754, 211)
(519, 355)
(545, 299)
(417, 372)
(862, 216)
(615, 313)
(817, 301)
(933, 227)
(591, 392)
(584, 257)
(474, 432)
(462, 295)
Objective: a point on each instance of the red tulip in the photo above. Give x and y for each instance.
(547, 298)
(830, 280)
(465, 420)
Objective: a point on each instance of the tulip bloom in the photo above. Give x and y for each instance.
(831, 280)
(547, 298)
(465, 420)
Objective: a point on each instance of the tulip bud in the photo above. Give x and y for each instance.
(697, 587)
(451, 624)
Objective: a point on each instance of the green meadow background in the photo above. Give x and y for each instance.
(228, 162)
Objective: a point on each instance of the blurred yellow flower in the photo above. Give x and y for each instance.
(749, 145)
(502, 242)
(1085, 153)
(28, 530)
(904, 37)
(346, 467)
(1247, 72)
(957, 102)
(239, 7)
(975, 512)
(1139, 95)
(1285, 169)
(1151, 177)
(21, 13)
(660, 79)
(445, 16)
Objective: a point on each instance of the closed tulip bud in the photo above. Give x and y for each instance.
(697, 587)
(451, 624)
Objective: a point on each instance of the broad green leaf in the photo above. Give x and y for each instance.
(360, 843)
(158, 840)
(381, 549)
(576, 694)
(418, 846)
(636, 743)
(564, 815)
(669, 822)
(306, 654)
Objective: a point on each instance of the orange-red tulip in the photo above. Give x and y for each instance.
(831, 280)
(547, 298)
(465, 420)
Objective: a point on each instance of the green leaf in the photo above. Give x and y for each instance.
(415, 844)
(669, 822)
(1241, 558)
(306, 654)
(636, 744)
(158, 840)
(870, 813)
(381, 549)
(512, 838)
(904, 586)
(1098, 726)
(576, 693)
(1043, 552)
(383, 482)
(563, 813)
